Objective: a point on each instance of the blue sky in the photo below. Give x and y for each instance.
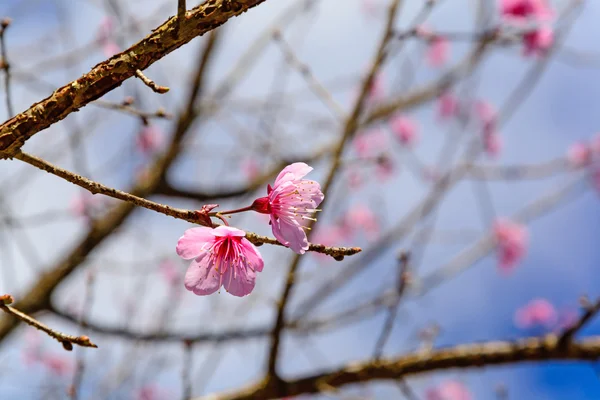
(336, 42)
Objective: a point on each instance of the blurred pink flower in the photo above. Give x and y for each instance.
(448, 106)
(56, 364)
(221, 257)
(370, 143)
(536, 312)
(492, 144)
(360, 218)
(250, 168)
(437, 51)
(290, 203)
(104, 36)
(169, 272)
(512, 241)
(595, 144)
(109, 49)
(449, 390)
(152, 392)
(523, 9)
(405, 129)
(538, 41)
(85, 204)
(579, 154)
(149, 139)
(485, 112)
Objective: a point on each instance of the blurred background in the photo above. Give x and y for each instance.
(468, 176)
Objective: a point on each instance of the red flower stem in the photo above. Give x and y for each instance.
(239, 210)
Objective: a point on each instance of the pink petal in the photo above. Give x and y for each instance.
(201, 277)
(227, 231)
(293, 171)
(239, 281)
(191, 244)
(291, 235)
(253, 257)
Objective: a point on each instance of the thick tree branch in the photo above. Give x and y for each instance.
(528, 350)
(111, 73)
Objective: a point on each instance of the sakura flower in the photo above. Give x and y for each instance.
(511, 239)
(290, 203)
(449, 390)
(536, 312)
(149, 139)
(250, 168)
(169, 272)
(492, 144)
(579, 155)
(523, 9)
(370, 143)
(360, 217)
(110, 48)
(221, 257)
(58, 365)
(538, 41)
(448, 106)
(405, 129)
(437, 51)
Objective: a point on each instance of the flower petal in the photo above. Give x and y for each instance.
(190, 245)
(293, 171)
(294, 235)
(201, 278)
(227, 231)
(252, 255)
(239, 281)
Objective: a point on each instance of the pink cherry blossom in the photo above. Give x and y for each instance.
(149, 139)
(492, 144)
(104, 36)
(448, 106)
(370, 143)
(485, 111)
(579, 154)
(535, 313)
(595, 144)
(169, 272)
(360, 218)
(290, 203)
(221, 257)
(449, 390)
(405, 129)
(110, 48)
(58, 365)
(250, 168)
(511, 240)
(538, 41)
(523, 9)
(437, 51)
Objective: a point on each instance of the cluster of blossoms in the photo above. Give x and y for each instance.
(511, 243)
(522, 13)
(542, 313)
(222, 256)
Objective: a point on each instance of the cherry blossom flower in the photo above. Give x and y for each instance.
(370, 143)
(447, 106)
(149, 139)
(104, 36)
(487, 115)
(437, 51)
(290, 203)
(512, 240)
(523, 9)
(579, 154)
(449, 390)
(250, 168)
(360, 218)
(405, 129)
(169, 272)
(538, 41)
(492, 143)
(221, 257)
(538, 312)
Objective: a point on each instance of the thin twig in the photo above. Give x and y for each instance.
(67, 341)
(150, 83)
(590, 311)
(5, 65)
